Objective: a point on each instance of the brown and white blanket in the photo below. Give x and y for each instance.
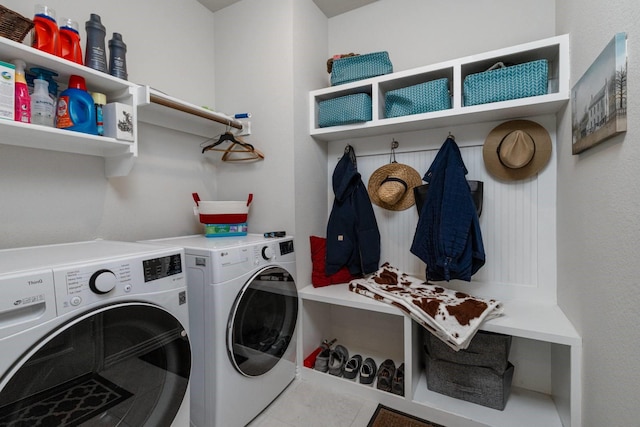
(452, 316)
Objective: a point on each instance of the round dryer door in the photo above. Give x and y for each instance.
(263, 321)
(125, 364)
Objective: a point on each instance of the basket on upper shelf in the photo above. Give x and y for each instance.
(353, 68)
(14, 26)
(501, 83)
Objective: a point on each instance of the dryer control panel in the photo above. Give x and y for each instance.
(232, 262)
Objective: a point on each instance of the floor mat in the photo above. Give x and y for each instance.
(388, 417)
(68, 404)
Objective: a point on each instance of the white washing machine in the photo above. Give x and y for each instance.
(243, 307)
(94, 333)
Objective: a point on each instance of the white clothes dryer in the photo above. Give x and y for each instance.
(94, 333)
(243, 305)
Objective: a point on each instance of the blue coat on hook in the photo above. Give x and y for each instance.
(448, 237)
(353, 238)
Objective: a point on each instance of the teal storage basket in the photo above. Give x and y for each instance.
(353, 68)
(420, 98)
(516, 81)
(344, 110)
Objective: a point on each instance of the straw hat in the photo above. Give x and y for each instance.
(391, 186)
(516, 149)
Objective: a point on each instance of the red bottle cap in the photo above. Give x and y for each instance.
(77, 82)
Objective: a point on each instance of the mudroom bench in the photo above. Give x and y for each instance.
(546, 351)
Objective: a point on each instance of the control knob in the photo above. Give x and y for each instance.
(102, 281)
(267, 253)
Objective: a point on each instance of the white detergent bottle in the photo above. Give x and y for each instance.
(42, 106)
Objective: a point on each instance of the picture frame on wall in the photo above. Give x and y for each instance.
(599, 98)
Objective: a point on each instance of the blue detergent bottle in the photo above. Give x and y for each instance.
(75, 109)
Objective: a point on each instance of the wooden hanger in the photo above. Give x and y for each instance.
(247, 151)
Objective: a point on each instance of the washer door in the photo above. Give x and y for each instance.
(125, 364)
(262, 321)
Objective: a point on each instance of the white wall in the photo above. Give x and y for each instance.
(254, 71)
(269, 54)
(422, 32)
(51, 197)
(599, 225)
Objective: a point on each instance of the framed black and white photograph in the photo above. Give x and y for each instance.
(599, 98)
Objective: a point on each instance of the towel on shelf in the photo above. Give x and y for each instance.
(450, 315)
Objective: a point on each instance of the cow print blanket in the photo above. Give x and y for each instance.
(452, 316)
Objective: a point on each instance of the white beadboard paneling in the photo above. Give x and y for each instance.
(517, 221)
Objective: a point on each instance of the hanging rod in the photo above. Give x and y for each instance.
(162, 99)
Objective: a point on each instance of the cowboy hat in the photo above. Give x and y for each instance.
(391, 186)
(516, 149)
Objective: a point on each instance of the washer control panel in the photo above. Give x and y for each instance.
(87, 284)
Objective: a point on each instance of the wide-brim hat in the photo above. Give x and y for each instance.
(516, 149)
(391, 186)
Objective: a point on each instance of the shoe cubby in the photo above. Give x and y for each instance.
(555, 50)
(377, 335)
(545, 350)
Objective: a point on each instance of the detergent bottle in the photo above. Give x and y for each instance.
(45, 35)
(95, 54)
(22, 100)
(75, 108)
(117, 57)
(70, 41)
(42, 106)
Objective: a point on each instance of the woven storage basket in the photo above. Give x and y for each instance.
(517, 81)
(360, 67)
(476, 384)
(14, 26)
(486, 350)
(420, 98)
(344, 110)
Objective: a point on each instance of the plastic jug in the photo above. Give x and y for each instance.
(45, 35)
(70, 41)
(75, 109)
(95, 55)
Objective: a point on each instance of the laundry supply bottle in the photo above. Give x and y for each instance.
(45, 35)
(75, 108)
(99, 99)
(95, 55)
(117, 57)
(70, 40)
(22, 100)
(48, 75)
(42, 106)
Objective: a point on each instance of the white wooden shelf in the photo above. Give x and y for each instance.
(163, 110)
(119, 155)
(555, 50)
(532, 320)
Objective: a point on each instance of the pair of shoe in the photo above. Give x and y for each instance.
(367, 369)
(332, 361)
(391, 379)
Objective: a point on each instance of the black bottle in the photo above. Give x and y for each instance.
(95, 54)
(117, 57)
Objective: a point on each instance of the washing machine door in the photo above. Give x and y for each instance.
(124, 364)
(262, 321)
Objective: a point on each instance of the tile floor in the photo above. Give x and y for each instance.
(311, 405)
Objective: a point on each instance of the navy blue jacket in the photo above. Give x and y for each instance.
(448, 237)
(353, 239)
